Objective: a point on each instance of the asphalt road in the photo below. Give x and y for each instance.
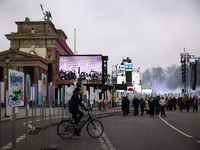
(178, 131)
(152, 133)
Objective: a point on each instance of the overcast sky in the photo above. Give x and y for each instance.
(151, 32)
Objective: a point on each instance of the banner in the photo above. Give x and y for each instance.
(35, 93)
(91, 95)
(28, 89)
(58, 96)
(15, 88)
(96, 96)
(54, 93)
(51, 95)
(32, 98)
(44, 85)
(39, 98)
(61, 94)
(2, 92)
(108, 96)
(67, 93)
(39, 92)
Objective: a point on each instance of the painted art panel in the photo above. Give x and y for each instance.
(15, 88)
(44, 85)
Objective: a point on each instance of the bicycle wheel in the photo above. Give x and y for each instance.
(66, 129)
(95, 128)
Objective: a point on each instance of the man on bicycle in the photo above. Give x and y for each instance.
(74, 109)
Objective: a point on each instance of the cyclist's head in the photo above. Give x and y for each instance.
(78, 90)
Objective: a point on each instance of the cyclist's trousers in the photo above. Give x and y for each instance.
(76, 112)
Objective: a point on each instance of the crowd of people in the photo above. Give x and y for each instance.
(158, 105)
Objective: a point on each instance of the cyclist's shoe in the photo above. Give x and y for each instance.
(77, 133)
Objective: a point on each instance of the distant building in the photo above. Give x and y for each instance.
(30, 49)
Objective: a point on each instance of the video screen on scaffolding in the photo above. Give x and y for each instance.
(85, 67)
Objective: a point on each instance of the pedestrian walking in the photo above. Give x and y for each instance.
(162, 103)
(195, 104)
(142, 105)
(147, 109)
(125, 106)
(170, 104)
(136, 103)
(187, 103)
(174, 102)
(152, 106)
(181, 104)
(157, 99)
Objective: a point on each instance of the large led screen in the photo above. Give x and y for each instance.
(121, 70)
(80, 67)
(128, 67)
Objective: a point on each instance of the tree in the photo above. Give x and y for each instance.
(162, 79)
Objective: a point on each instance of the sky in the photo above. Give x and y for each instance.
(151, 32)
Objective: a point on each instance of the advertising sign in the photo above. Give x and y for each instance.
(15, 88)
(121, 79)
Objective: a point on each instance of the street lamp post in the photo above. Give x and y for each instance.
(50, 66)
(7, 60)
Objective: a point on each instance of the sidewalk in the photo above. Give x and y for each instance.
(48, 137)
(55, 111)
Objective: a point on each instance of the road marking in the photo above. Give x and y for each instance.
(9, 145)
(6, 147)
(189, 136)
(105, 143)
(30, 126)
(103, 140)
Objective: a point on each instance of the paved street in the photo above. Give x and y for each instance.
(153, 133)
(176, 131)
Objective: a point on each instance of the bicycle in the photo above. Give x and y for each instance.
(66, 129)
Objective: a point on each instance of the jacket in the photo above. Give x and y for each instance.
(75, 101)
(162, 102)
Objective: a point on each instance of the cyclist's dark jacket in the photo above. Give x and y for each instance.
(75, 101)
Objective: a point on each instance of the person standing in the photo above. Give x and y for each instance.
(181, 104)
(187, 103)
(174, 103)
(147, 105)
(162, 103)
(157, 99)
(170, 104)
(152, 106)
(136, 103)
(195, 104)
(142, 105)
(125, 106)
